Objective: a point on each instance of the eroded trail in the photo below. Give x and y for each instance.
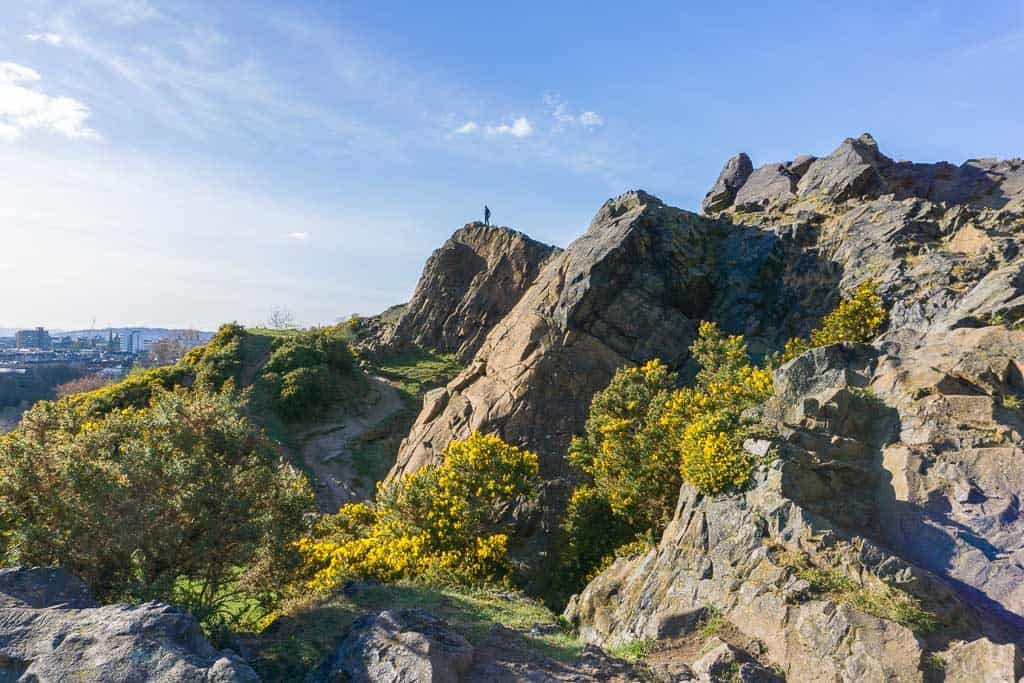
(327, 450)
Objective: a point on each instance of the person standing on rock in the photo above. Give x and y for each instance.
(487, 215)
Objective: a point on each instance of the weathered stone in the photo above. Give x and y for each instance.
(467, 286)
(43, 587)
(625, 292)
(982, 661)
(718, 660)
(851, 171)
(49, 632)
(401, 646)
(767, 184)
(732, 177)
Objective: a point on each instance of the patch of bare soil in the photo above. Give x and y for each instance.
(326, 448)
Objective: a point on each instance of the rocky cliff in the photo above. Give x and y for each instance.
(897, 466)
(633, 286)
(466, 287)
(898, 463)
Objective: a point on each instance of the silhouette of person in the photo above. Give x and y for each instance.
(487, 215)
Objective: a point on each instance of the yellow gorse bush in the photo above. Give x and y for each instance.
(644, 437)
(857, 319)
(440, 522)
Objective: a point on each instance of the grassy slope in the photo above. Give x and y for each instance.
(413, 373)
(300, 640)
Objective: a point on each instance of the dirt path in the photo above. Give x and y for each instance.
(327, 448)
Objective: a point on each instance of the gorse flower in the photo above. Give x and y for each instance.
(857, 319)
(644, 437)
(440, 522)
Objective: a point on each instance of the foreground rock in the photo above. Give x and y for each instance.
(413, 646)
(467, 286)
(51, 630)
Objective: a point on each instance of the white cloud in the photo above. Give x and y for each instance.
(54, 39)
(520, 128)
(559, 109)
(16, 73)
(467, 128)
(298, 236)
(23, 107)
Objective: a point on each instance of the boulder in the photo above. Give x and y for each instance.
(41, 587)
(853, 170)
(730, 180)
(399, 646)
(51, 630)
(982, 661)
(717, 662)
(767, 184)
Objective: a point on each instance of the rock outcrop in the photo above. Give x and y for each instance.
(52, 630)
(467, 286)
(627, 291)
(894, 468)
(857, 170)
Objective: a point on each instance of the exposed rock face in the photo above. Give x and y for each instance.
(51, 630)
(731, 179)
(856, 170)
(625, 292)
(467, 286)
(886, 470)
(899, 463)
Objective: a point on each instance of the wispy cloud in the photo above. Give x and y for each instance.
(559, 110)
(54, 39)
(24, 107)
(520, 128)
(298, 236)
(125, 12)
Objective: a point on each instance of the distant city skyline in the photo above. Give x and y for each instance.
(184, 164)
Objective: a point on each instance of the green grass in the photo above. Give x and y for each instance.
(712, 623)
(634, 650)
(312, 629)
(232, 610)
(418, 371)
(374, 452)
(876, 597)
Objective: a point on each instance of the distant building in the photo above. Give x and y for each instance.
(131, 342)
(38, 338)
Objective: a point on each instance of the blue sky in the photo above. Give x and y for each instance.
(186, 163)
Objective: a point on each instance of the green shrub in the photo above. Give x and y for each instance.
(624, 449)
(220, 359)
(307, 372)
(138, 501)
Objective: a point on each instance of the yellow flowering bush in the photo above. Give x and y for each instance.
(644, 437)
(623, 450)
(857, 319)
(448, 521)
